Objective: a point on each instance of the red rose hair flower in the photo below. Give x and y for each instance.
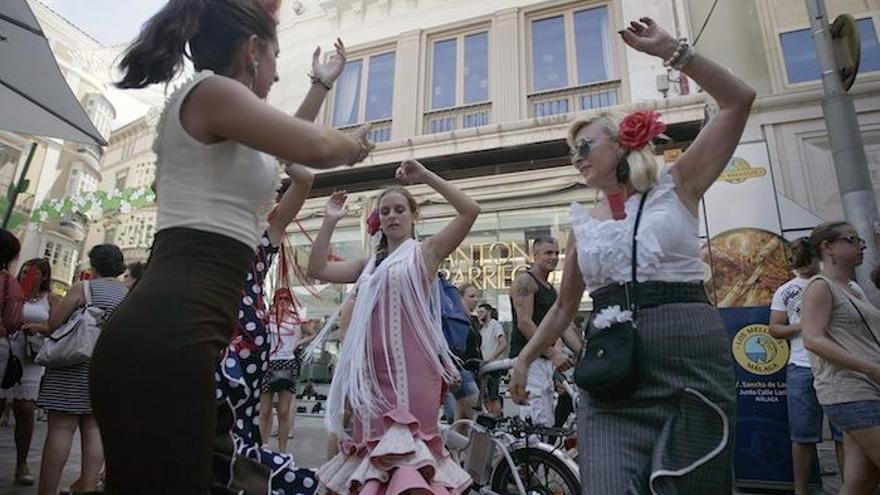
(373, 222)
(639, 128)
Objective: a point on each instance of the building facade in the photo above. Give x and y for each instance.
(482, 92)
(129, 165)
(60, 169)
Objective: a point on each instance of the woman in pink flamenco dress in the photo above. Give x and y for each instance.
(387, 388)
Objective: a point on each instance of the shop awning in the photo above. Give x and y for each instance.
(34, 97)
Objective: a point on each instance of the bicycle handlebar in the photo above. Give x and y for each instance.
(499, 365)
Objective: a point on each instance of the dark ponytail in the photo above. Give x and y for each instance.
(801, 253)
(214, 30)
(381, 249)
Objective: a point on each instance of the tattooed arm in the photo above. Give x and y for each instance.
(523, 296)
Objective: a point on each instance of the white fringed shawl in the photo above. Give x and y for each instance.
(355, 383)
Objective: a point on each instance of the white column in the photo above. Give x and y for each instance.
(505, 73)
(407, 109)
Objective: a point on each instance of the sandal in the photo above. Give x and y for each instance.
(24, 478)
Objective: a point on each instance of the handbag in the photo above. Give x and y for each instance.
(74, 341)
(608, 367)
(13, 369)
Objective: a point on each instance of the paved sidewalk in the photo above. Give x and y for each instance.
(309, 445)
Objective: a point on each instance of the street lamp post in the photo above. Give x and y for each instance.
(848, 152)
(18, 187)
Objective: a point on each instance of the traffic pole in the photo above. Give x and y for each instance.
(17, 187)
(847, 149)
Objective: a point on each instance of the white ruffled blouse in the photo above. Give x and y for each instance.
(668, 240)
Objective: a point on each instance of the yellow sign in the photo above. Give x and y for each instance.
(739, 170)
(758, 352)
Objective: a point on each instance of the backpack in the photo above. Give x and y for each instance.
(456, 321)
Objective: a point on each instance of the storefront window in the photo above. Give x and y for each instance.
(497, 249)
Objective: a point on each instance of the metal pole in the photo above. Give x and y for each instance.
(848, 152)
(15, 188)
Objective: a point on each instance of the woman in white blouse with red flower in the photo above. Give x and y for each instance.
(671, 431)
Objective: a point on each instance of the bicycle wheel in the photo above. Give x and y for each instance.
(541, 473)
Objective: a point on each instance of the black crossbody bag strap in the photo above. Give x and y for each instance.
(634, 303)
(867, 327)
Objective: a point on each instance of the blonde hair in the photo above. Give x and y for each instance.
(642, 166)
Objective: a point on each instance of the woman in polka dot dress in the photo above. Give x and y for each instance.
(244, 362)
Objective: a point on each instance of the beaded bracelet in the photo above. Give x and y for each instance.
(681, 56)
(317, 80)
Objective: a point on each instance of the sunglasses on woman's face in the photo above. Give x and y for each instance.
(582, 150)
(853, 239)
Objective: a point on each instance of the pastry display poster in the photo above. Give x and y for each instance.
(746, 256)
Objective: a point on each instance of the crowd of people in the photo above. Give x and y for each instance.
(178, 394)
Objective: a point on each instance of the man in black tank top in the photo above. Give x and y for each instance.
(532, 296)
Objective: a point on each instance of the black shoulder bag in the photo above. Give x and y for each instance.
(13, 368)
(608, 367)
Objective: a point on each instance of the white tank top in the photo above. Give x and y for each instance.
(226, 188)
(668, 240)
(36, 310)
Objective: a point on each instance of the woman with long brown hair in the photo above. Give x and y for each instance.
(152, 373)
(35, 276)
(394, 360)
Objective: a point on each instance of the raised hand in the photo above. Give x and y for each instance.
(647, 37)
(330, 70)
(411, 172)
(336, 207)
(362, 137)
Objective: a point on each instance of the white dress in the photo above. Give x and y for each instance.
(34, 311)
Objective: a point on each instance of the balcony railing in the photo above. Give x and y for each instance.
(576, 99)
(73, 225)
(464, 117)
(92, 150)
(379, 133)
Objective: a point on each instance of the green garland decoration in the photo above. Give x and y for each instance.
(95, 204)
